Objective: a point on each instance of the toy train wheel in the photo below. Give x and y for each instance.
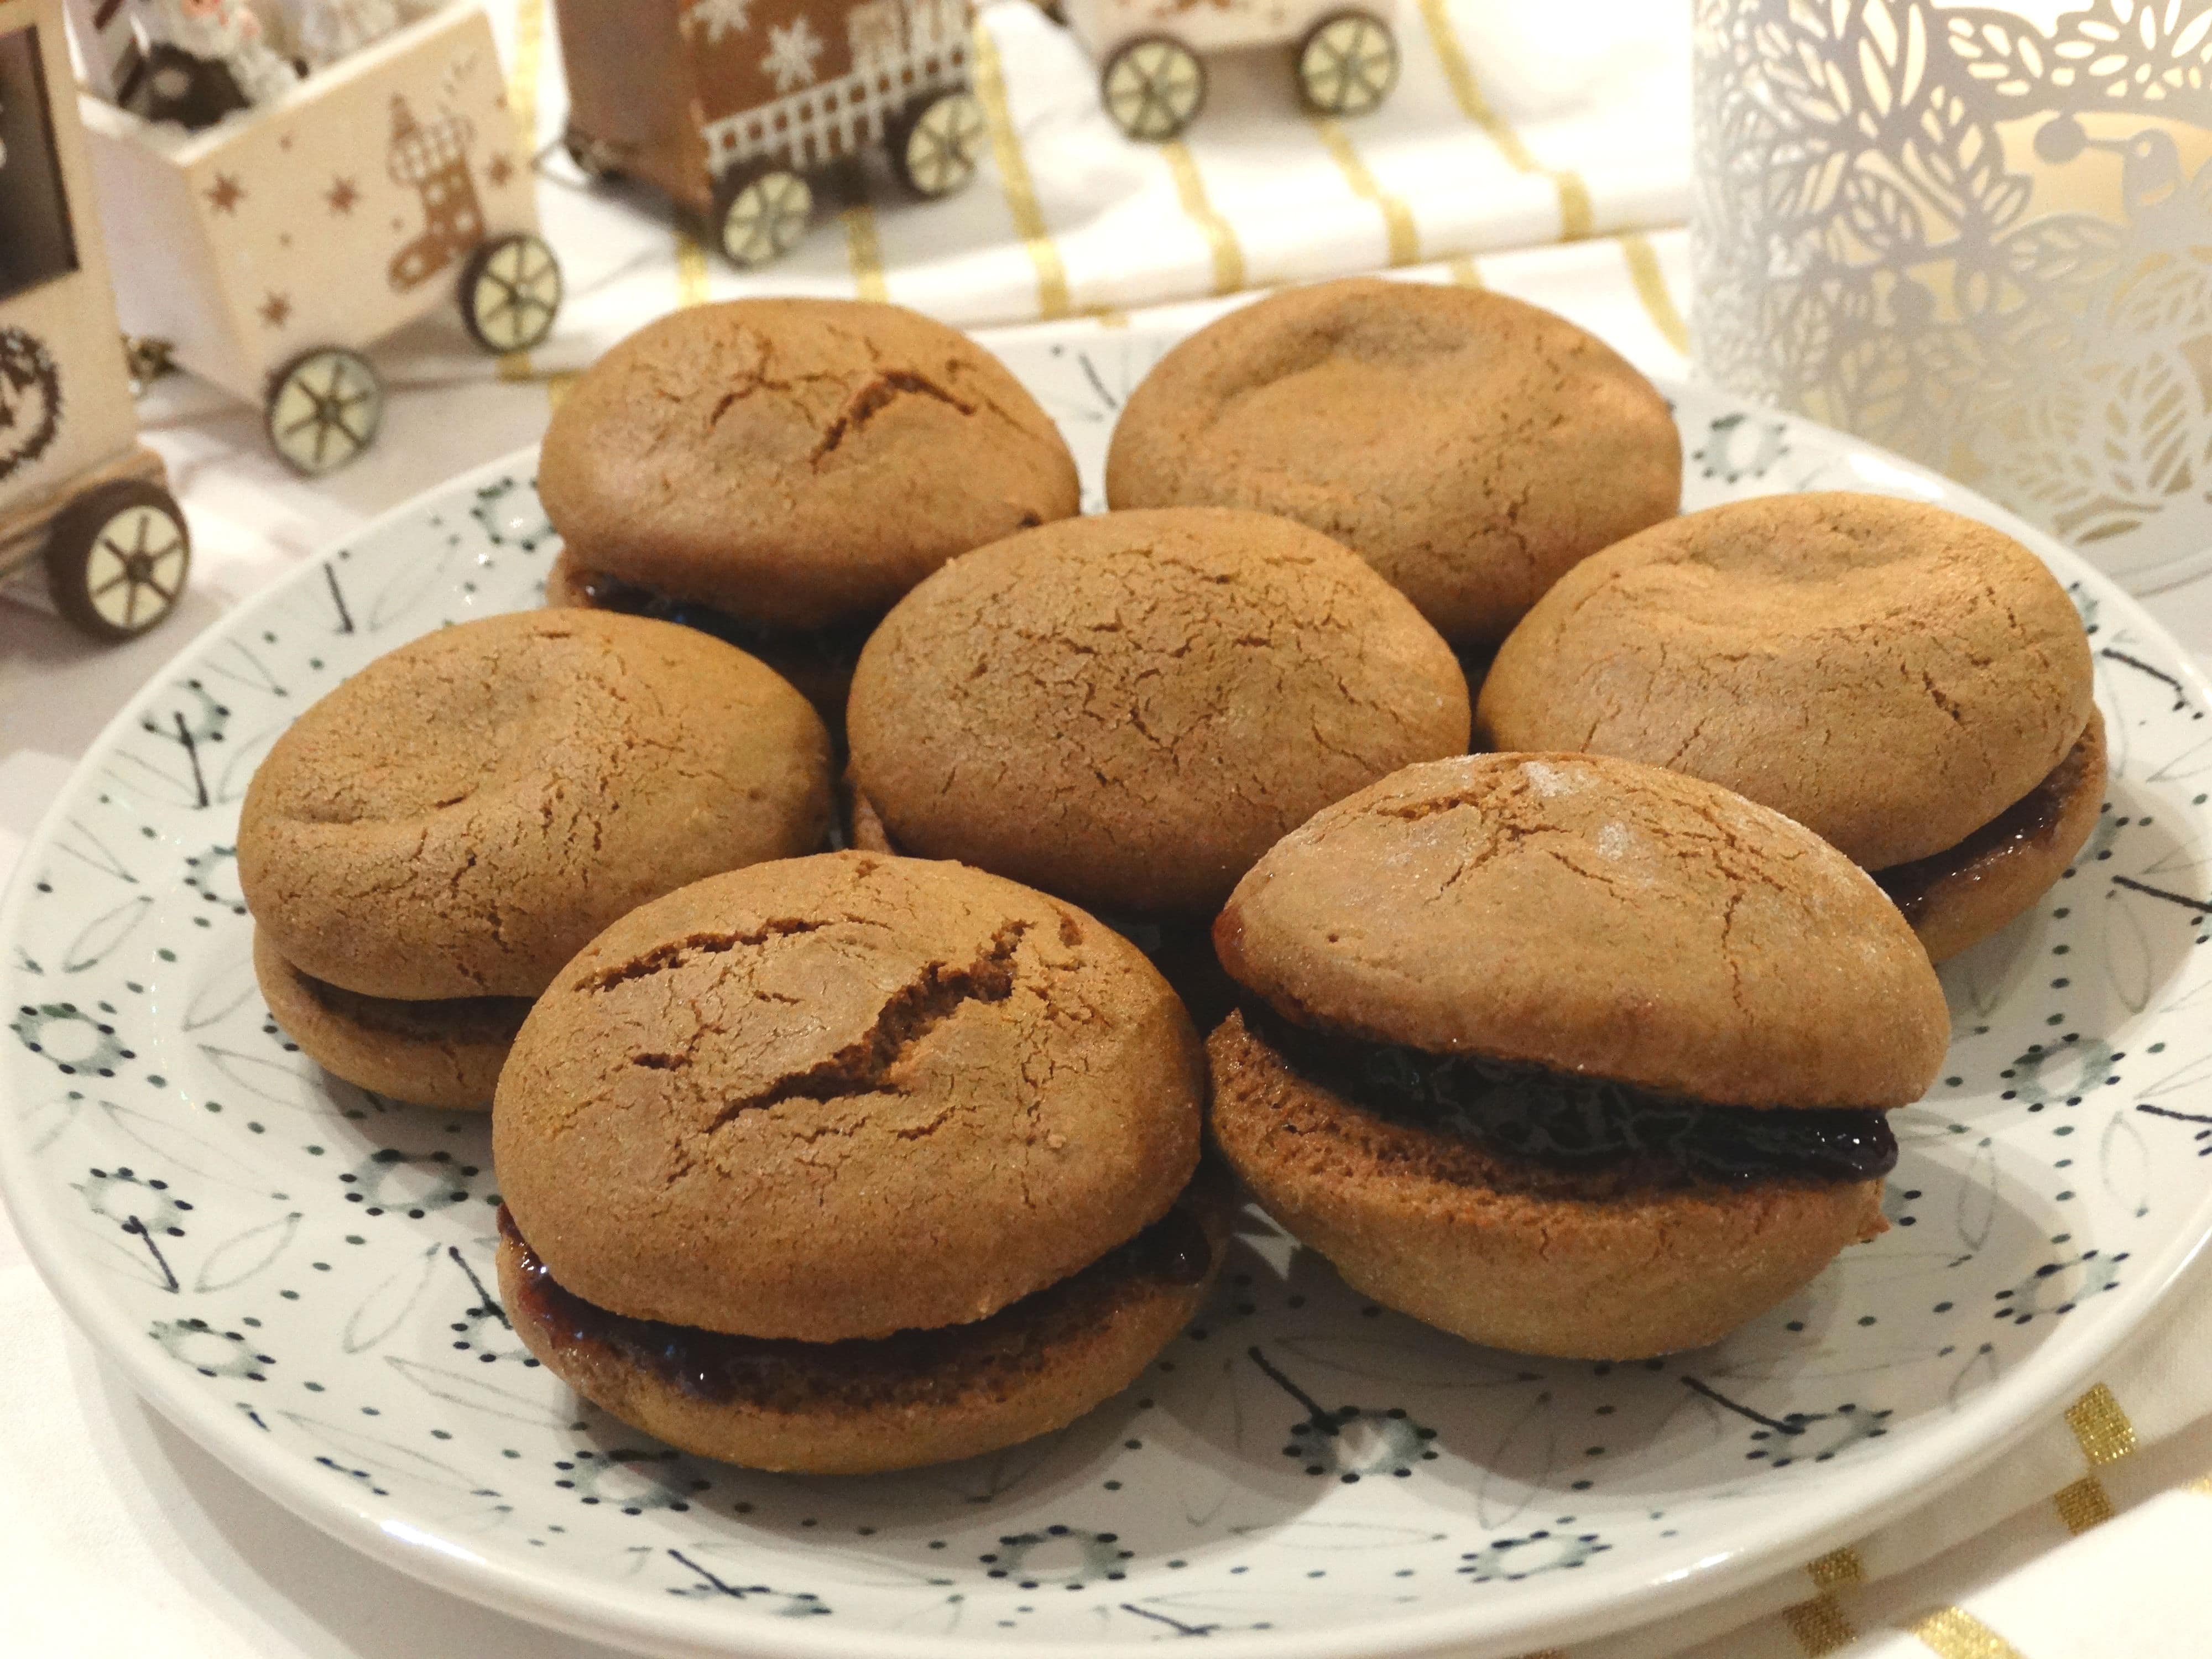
(324, 410)
(117, 559)
(510, 293)
(935, 145)
(1153, 88)
(760, 217)
(1348, 63)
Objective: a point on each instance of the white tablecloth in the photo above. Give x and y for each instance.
(118, 1536)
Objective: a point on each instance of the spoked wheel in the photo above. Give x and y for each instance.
(510, 293)
(1348, 63)
(934, 147)
(117, 559)
(1153, 88)
(761, 216)
(324, 410)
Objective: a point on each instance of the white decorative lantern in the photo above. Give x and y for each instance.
(1980, 235)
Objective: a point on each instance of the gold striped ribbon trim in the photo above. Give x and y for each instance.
(2100, 1427)
(1651, 287)
(1576, 218)
(990, 81)
(1405, 235)
(1464, 273)
(522, 105)
(1190, 190)
(864, 254)
(1820, 1625)
(1954, 1633)
(690, 269)
(2105, 1436)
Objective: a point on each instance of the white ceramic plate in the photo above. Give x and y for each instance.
(298, 1272)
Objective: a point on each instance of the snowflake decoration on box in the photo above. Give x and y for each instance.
(719, 18)
(791, 55)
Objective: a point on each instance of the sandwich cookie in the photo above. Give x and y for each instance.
(778, 472)
(854, 1163)
(1128, 710)
(427, 844)
(1913, 686)
(1567, 1055)
(1472, 448)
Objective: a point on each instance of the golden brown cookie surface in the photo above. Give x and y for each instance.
(1958, 897)
(462, 816)
(839, 1096)
(1599, 917)
(445, 1055)
(1509, 1252)
(1130, 708)
(1890, 675)
(1470, 447)
(918, 1397)
(797, 462)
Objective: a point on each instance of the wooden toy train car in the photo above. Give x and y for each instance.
(1152, 53)
(733, 108)
(77, 489)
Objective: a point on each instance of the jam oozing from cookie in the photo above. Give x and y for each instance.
(715, 1366)
(2029, 821)
(1567, 1121)
(837, 646)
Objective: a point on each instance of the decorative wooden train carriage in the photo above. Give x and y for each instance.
(76, 487)
(268, 250)
(1152, 53)
(732, 108)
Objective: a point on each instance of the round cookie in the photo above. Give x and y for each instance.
(1565, 1054)
(1472, 448)
(864, 1408)
(1891, 675)
(796, 463)
(462, 816)
(1129, 709)
(1961, 896)
(445, 1055)
(840, 1096)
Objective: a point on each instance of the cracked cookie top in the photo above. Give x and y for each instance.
(462, 816)
(844, 1096)
(1598, 917)
(796, 463)
(1469, 446)
(1130, 708)
(1891, 675)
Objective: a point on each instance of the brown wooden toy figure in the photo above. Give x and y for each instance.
(269, 249)
(77, 488)
(732, 108)
(1152, 53)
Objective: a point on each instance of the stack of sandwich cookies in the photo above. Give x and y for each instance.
(1567, 1055)
(778, 472)
(854, 1163)
(1470, 447)
(1912, 685)
(427, 844)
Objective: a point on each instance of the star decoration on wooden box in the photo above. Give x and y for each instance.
(499, 170)
(342, 195)
(276, 310)
(226, 193)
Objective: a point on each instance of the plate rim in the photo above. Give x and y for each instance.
(1914, 1476)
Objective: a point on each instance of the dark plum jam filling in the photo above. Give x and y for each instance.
(837, 646)
(715, 1366)
(1582, 1123)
